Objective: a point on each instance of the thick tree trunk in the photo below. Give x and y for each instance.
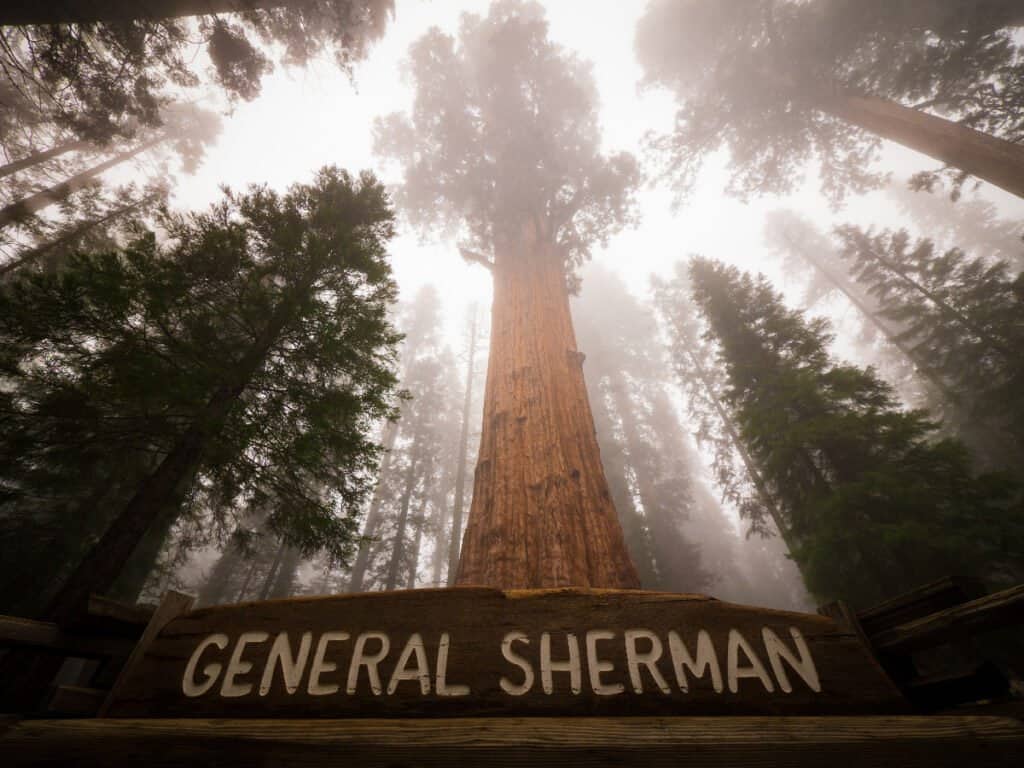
(460, 472)
(373, 516)
(11, 214)
(41, 157)
(989, 158)
(541, 515)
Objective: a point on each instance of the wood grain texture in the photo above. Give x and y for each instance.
(172, 605)
(541, 513)
(476, 621)
(990, 612)
(696, 742)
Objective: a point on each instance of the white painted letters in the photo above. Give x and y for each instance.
(229, 689)
(421, 672)
(507, 685)
(756, 669)
(595, 666)
(361, 659)
(444, 688)
(291, 669)
(572, 666)
(635, 659)
(707, 660)
(320, 665)
(189, 686)
(804, 666)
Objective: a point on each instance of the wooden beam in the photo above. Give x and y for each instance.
(48, 637)
(76, 701)
(990, 612)
(937, 596)
(738, 742)
(172, 605)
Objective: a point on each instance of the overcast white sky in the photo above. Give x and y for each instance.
(305, 118)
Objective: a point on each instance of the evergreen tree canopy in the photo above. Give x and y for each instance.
(102, 69)
(257, 335)
(963, 315)
(769, 81)
(504, 131)
(872, 504)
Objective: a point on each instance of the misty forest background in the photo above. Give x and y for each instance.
(245, 402)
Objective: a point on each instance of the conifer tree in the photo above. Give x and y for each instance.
(875, 504)
(963, 315)
(783, 83)
(502, 147)
(252, 351)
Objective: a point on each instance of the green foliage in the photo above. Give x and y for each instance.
(111, 73)
(280, 300)
(963, 315)
(504, 131)
(872, 505)
(758, 79)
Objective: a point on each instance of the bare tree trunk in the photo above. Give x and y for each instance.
(460, 472)
(542, 514)
(398, 550)
(271, 577)
(11, 214)
(989, 158)
(284, 584)
(417, 543)
(41, 157)
(373, 516)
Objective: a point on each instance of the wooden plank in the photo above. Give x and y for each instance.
(990, 612)
(920, 602)
(477, 651)
(696, 742)
(980, 682)
(77, 701)
(48, 637)
(845, 617)
(112, 612)
(171, 606)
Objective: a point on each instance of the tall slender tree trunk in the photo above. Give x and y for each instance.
(284, 584)
(373, 516)
(398, 550)
(32, 255)
(41, 157)
(460, 471)
(215, 589)
(439, 525)
(416, 545)
(38, 201)
(272, 571)
(989, 158)
(542, 514)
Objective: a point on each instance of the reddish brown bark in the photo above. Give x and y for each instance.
(542, 515)
(990, 158)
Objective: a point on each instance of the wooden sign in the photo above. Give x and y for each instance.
(470, 651)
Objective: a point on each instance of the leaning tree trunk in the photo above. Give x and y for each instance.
(27, 206)
(997, 161)
(41, 157)
(460, 471)
(542, 514)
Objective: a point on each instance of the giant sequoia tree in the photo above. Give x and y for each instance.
(503, 147)
(780, 83)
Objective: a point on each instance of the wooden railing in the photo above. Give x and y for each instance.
(101, 641)
(942, 648)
